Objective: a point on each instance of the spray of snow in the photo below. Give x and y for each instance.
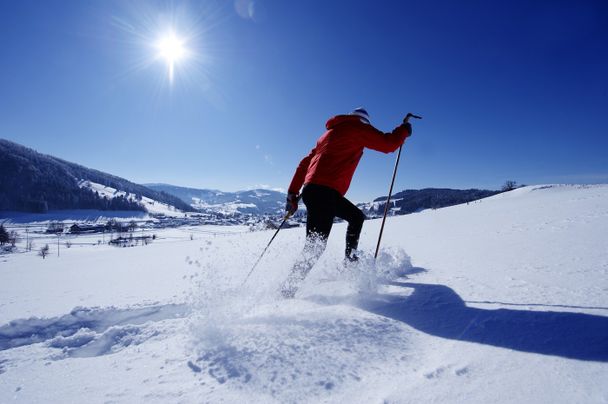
(250, 337)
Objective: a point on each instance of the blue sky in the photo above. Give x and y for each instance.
(508, 90)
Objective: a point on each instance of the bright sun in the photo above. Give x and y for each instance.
(171, 48)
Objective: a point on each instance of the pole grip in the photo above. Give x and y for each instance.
(410, 115)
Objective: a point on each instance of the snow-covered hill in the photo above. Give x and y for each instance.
(255, 201)
(503, 300)
(38, 183)
(152, 206)
(417, 200)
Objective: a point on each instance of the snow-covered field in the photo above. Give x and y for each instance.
(499, 301)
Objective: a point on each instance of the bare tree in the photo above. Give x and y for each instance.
(509, 186)
(44, 251)
(13, 237)
(55, 227)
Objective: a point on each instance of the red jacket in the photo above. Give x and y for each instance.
(333, 161)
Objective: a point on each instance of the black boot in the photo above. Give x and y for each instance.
(351, 257)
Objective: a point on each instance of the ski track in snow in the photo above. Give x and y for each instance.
(89, 331)
(315, 345)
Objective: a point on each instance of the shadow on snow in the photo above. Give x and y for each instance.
(438, 310)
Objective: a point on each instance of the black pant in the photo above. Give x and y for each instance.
(323, 204)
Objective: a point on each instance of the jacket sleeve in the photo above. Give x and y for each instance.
(300, 175)
(384, 142)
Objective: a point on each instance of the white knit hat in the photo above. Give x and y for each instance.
(361, 113)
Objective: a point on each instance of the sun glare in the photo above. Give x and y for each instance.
(171, 48)
(173, 42)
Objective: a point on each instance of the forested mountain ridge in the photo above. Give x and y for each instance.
(35, 182)
(415, 200)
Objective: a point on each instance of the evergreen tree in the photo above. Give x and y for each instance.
(3, 235)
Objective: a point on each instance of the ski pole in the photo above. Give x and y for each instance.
(390, 191)
(267, 245)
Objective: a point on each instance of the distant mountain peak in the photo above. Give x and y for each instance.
(253, 201)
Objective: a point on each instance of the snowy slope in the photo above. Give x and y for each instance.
(503, 300)
(152, 206)
(35, 182)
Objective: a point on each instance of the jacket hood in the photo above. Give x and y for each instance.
(338, 119)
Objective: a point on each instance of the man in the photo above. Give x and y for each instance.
(326, 174)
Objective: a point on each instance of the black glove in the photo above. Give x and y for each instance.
(292, 203)
(408, 126)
